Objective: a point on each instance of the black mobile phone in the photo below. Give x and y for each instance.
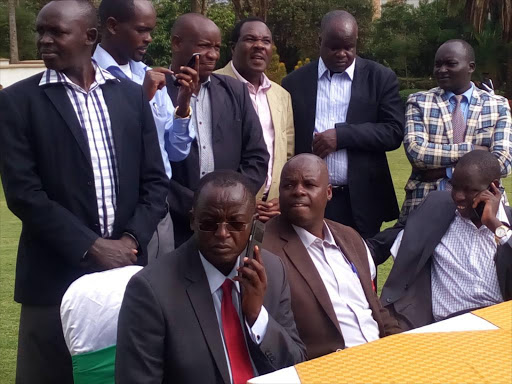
(256, 238)
(479, 210)
(191, 64)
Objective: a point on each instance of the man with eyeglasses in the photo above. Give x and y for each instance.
(455, 253)
(252, 50)
(228, 130)
(204, 315)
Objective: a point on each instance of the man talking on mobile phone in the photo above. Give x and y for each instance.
(197, 316)
(455, 253)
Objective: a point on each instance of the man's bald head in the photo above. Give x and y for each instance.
(304, 191)
(195, 33)
(461, 46)
(84, 10)
(454, 65)
(338, 40)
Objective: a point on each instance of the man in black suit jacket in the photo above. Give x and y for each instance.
(453, 256)
(228, 130)
(80, 167)
(350, 114)
(174, 321)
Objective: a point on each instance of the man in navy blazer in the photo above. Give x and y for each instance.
(81, 168)
(347, 110)
(228, 130)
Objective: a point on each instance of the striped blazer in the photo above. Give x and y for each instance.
(428, 139)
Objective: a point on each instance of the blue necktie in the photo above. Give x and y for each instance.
(117, 72)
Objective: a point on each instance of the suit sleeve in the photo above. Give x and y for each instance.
(384, 135)
(503, 261)
(153, 184)
(501, 144)
(255, 157)
(422, 153)
(282, 345)
(380, 245)
(290, 129)
(140, 336)
(25, 194)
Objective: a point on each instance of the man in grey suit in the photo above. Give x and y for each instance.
(198, 315)
(455, 254)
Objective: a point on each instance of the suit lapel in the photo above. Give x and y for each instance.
(218, 107)
(276, 110)
(357, 84)
(113, 97)
(475, 107)
(443, 102)
(311, 85)
(200, 297)
(61, 102)
(299, 257)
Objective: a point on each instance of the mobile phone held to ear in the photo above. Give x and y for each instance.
(256, 238)
(191, 64)
(479, 210)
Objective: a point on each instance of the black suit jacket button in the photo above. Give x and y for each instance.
(406, 286)
(89, 182)
(388, 300)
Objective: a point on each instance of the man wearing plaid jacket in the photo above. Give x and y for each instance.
(433, 140)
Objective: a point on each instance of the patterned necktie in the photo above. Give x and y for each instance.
(458, 123)
(241, 368)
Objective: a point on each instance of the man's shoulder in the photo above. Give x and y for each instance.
(374, 67)
(25, 85)
(278, 90)
(225, 71)
(297, 75)
(490, 99)
(436, 204)
(424, 96)
(227, 81)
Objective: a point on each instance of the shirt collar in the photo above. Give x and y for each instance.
(215, 277)
(322, 70)
(50, 76)
(105, 60)
(467, 94)
(265, 82)
(308, 238)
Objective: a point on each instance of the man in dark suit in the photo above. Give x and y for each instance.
(347, 110)
(328, 264)
(180, 317)
(228, 130)
(81, 169)
(455, 254)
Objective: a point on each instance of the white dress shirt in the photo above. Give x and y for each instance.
(215, 280)
(342, 282)
(202, 121)
(332, 101)
(463, 269)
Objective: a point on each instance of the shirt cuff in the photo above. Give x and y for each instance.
(504, 239)
(133, 237)
(186, 118)
(259, 328)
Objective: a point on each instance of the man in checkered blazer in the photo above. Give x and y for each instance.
(446, 122)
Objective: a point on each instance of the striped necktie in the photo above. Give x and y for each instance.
(458, 123)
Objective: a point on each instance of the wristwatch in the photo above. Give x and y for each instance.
(500, 233)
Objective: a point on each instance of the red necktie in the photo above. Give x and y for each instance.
(241, 368)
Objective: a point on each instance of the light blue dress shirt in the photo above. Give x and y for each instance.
(332, 100)
(174, 135)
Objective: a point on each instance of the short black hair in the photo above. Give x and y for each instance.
(225, 178)
(336, 15)
(121, 10)
(88, 12)
(235, 35)
(470, 52)
(484, 162)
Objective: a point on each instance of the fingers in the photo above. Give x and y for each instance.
(162, 70)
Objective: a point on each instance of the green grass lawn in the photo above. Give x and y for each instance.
(9, 232)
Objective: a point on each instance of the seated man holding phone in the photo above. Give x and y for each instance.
(455, 253)
(180, 317)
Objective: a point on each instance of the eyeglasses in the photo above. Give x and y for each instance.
(231, 226)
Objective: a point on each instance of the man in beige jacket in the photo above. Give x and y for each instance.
(252, 51)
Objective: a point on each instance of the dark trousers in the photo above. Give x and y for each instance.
(339, 209)
(43, 356)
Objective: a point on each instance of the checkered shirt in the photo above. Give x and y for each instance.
(92, 114)
(428, 139)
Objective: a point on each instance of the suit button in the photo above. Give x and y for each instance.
(388, 300)
(89, 183)
(406, 286)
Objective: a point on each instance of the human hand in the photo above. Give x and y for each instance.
(492, 201)
(188, 79)
(267, 209)
(108, 254)
(154, 80)
(325, 143)
(253, 278)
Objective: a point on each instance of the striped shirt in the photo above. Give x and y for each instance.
(94, 119)
(202, 120)
(332, 100)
